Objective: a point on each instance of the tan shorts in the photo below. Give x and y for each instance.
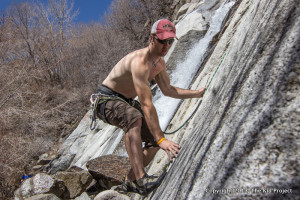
(123, 115)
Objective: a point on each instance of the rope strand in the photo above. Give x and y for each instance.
(188, 119)
(250, 3)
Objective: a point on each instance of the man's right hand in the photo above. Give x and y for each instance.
(169, 146)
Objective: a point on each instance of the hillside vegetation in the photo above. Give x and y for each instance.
(49, 66)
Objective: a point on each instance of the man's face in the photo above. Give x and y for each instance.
(164, 45)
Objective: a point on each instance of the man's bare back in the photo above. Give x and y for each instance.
(120, 79)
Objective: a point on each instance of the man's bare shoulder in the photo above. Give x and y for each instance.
(137, 58)
(137, 55)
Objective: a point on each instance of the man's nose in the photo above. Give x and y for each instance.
(167, 44)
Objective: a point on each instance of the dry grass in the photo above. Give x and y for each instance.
(47, 73)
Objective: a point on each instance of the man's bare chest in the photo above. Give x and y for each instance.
(154, 71)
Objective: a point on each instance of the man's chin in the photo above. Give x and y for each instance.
(163, 53)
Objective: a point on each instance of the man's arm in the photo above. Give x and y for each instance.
(167, 89)
(140, 74)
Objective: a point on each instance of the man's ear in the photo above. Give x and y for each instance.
(151, 39)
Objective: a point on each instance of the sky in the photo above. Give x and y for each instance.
(89, 10)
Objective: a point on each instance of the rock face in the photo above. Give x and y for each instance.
(75, 182)
(109, 170)
(85, 144)
(243, 142)
(111, 195)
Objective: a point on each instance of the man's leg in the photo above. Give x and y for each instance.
(133, 144)
(121, 114)
(148, 155)
(139, 181)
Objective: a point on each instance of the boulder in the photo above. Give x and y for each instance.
(17, 194)
(75, 182)
(83, 196)
(45, 159)
(44, 183)
(37, 168)
(109, 170)
(40, 184)
(44, 197)
(25, 189)
(74, 169)
(111, 195)
(60, 163)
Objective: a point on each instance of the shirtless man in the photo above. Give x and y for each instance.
(129, 78)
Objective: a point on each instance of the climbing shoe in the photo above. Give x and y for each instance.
(125, 187)
(147, 183)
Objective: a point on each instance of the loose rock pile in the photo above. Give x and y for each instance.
(76, 183)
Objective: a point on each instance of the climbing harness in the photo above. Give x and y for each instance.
(96, 100)
(99, 100)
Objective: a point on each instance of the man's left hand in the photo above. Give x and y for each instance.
(201, 92)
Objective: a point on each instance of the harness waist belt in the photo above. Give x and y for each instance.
(99, 100)
(107, 91)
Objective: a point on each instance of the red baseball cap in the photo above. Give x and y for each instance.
(164, 29)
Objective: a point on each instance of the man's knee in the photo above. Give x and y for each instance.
(136, 124)
(134, 129)
(134, 132)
